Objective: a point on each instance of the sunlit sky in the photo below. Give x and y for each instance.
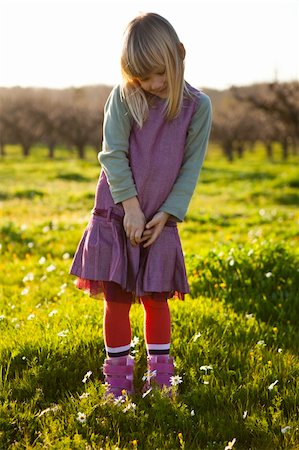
(61, 43)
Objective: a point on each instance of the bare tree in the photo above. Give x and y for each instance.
(47, 114)
(234, 128)
(280, 102)
(78, 122)
(18, 120)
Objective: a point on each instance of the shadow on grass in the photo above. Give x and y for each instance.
(214, 175)
(73, 176)
(288, 199)
(223, 220)
(57, 373)
(29, 194)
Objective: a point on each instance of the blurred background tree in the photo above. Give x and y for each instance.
(267, 113)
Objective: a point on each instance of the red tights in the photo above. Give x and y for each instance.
(117, 327)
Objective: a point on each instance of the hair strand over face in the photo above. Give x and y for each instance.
(150, 46)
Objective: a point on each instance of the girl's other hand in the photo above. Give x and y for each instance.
(154, 228)
(134, 220)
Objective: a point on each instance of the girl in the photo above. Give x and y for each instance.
(155, 135)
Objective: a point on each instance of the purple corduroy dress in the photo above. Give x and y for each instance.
(104, 253)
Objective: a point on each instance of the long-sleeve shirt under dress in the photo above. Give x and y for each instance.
(160, 164)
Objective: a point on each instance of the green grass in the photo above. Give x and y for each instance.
(240, 239)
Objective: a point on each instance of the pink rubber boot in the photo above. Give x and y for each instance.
(118, 374)
(160, 371)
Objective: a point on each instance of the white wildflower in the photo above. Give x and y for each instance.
(245, 414)
(119, 400)
(28, 277)
(62, 289)
(52, 312)
(268, 274)
(66, 256)
(81, 417)
(272, 385)
(14, 319)
(279, 350)
(2, 317)
(23, 227)
(25, 291)
(87, 376)
(130, 406)
(232, 262)
(192, 413)
(42, 260)
(38, 305)
(206, 382)
(31, 316)
(175, 380)
(230, 444)
(30, 244)
(51, 267)
(84, 395)
(261, 343)
(196, 336)
(206, 368)
(63, 333)
(135, 341)
(249, 316)
(46, 229)
(285, 429)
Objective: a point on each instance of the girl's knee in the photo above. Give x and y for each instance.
(149, 303)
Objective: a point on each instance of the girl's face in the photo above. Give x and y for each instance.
(155, 83)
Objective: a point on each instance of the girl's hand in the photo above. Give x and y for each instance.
(134, 220)
(154, 228)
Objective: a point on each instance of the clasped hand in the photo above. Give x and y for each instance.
(136, 228)
(138, 231)
(154, 228)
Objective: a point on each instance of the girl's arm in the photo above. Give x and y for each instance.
(179, 198)
(114, 155)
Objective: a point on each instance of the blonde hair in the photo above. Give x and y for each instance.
(151, 45)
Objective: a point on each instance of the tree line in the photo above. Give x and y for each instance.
(267, 113)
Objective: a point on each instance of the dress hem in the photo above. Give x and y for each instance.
(95, 289)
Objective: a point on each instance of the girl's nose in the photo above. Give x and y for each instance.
(157, 83)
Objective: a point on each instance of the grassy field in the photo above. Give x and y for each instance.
(235, 338)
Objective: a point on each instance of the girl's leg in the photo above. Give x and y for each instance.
(118, 367)
(157, 336)
(117, 329)
(156, 326)
(116, 323)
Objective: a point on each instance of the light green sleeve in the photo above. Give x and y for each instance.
(114, 155)
(179, 198)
